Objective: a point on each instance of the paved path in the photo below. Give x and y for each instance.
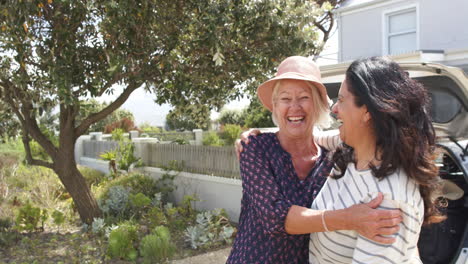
(215, 257)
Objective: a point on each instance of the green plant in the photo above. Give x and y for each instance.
(5, 224)
(139, 203)
(231, 133)
(180, 141)
(110, 156)
(135, 183)
(212, 139)
(121, 242)
(156, 217)
(92, 176)
(115, 202)
(211, 228)
(98, 226)
(139, 200)
(28, 217)
(186, 208)
(157, 247)
(58, 218)
(126, 156)
(118, 134)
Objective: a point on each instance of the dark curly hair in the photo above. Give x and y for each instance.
(399, 107)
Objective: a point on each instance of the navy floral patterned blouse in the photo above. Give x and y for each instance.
(270, 187)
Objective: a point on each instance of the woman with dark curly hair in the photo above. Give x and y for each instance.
(388, 146)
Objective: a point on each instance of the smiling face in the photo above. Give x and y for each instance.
(292, 108)
(354, 119)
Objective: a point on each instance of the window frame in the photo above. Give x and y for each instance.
(386, 35)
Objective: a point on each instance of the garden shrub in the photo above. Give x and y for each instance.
(118, 134)
(157, 247)
(212, 139)
(122, 240)
(139, 200)
(28, 217)
(135, 183)
(115, 202)
(92, 176)
(211, 228)
(231, 133)
(156, 217)
(125, 156)
(98, 226)
(58, 218)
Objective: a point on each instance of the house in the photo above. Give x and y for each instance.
(409, 30)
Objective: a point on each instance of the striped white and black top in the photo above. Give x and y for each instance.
(361, 187)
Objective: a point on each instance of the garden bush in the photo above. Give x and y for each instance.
(92, 176)
(122, 242)
(28, 217)
(212, 139)
(211, 228)
(231, 133)
(115, 202)
(157, 247)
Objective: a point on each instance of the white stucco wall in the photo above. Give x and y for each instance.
(442, 26)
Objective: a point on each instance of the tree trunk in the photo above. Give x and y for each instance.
(75, 184)
(66, 168)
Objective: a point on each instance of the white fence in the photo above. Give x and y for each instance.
(219, 161)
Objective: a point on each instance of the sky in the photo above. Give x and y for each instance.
(144, 109)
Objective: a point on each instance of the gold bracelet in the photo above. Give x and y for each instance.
(323, 221)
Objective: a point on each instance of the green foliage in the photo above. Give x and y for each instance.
(58, 217)
(118, 134)
(139, 200)
(157, 247)
(145, 127)
(110, 156)
(115, 202)
(156, 217)
(231, 133)
(126, 156)
(235, 117)
(211, 139)
(212, 228)
(122, 240)
(98, 226)
(11, 147)
(93, 106)
(194, 52)
(92, 176)
(188, 117)
(28, 217)
(180, 141)
(257, 116)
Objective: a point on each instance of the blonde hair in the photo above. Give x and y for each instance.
(321, 110)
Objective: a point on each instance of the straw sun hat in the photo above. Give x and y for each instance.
(296, 68)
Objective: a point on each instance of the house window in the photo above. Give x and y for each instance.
(401, 29)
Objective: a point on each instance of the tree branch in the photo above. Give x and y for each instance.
(29, 157)
(95, 117)
(27, 118)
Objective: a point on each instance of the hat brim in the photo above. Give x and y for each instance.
(265, 90)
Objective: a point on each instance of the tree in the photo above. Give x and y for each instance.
(58, 53)
(257, 116)
(231, 116)
(93, 106)
(188, 117)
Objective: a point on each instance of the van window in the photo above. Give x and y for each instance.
(445, 106)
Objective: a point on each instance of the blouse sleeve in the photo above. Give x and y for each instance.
(402, 250)
(329, 139)
(260, 187)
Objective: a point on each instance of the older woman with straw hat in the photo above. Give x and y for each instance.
(283, 172)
